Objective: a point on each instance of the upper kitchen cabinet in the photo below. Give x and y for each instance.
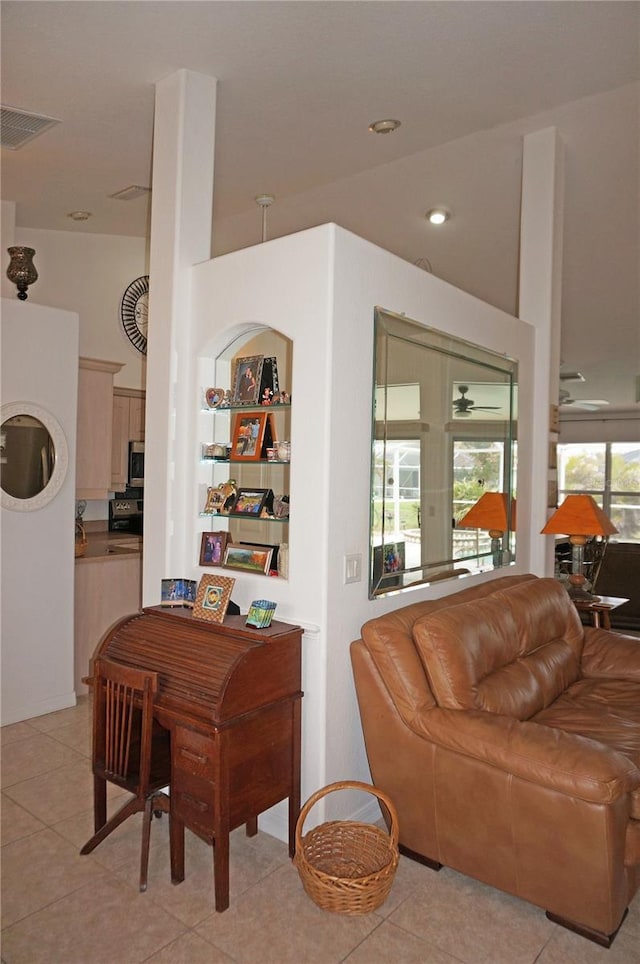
(95, 427)
(128, 426)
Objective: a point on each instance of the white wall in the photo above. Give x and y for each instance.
(319, 288)
(88, 274)
(40, 366)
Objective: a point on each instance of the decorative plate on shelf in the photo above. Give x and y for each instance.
(214, 396)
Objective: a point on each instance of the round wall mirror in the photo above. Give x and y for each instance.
(34, 457)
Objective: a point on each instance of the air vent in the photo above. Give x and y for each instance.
(18, 127)
(130, 193)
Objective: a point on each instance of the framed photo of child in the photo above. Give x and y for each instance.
(212, 598)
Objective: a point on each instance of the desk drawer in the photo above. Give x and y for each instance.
(192, 799)
(193, 752)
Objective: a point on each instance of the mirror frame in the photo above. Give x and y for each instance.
(389, 324)
(61, 461)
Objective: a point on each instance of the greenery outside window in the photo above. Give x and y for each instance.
(610, 472)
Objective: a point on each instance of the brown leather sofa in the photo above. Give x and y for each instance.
(508, 737)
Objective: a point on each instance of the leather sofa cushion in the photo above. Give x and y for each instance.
(604, 710)
(512, 653)
(389, 641)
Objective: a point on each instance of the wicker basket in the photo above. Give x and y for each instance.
(345, 866)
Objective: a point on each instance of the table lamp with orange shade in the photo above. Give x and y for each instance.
(579, 517)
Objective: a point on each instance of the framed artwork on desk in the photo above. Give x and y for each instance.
(212, 598)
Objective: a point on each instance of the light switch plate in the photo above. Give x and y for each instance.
(353, 567)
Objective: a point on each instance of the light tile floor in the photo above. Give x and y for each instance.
(61, 908)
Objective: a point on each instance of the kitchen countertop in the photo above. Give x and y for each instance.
(104, 545)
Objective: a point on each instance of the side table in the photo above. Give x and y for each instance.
(599, 609)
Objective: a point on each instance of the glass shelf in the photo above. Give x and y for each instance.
(241, 515)
(245, 461)
(247, 408)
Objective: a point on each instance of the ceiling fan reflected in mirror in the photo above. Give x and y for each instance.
(463, 406)
(583, 404)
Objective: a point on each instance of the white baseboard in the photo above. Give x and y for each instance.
(17, 714)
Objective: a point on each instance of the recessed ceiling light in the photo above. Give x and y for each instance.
(438, 215)
(80, 215)
(384, 126)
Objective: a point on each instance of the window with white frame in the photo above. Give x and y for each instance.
(610, 472)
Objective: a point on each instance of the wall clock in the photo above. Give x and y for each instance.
(134, 311)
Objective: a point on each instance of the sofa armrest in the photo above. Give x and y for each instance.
(610, 655)
(570, 764)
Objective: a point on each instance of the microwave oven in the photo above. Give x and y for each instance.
(136, 464)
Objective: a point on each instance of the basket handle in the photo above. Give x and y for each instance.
(348, 785)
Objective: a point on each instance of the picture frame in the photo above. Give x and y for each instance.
(214, 397)
(387, 560)
(216, 498)
(248, 558)
(212, 547)
(177, 592)
(269, 381)
(248, 436)
(275, 549)
(247, 380)
(212, 597)
(251, 502)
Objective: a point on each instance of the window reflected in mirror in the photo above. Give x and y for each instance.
(444, 449)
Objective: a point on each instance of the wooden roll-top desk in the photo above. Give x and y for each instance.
(230, 697)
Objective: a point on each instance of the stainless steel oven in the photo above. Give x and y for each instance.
(126, 515)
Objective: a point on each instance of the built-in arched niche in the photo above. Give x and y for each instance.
(34, 457)
(245, 450)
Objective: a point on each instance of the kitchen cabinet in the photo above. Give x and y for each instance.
(108, 586)
(94, 428)
(128, 426)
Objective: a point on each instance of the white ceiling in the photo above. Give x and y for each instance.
(299, 82)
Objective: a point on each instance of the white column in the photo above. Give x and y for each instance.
(181, 228)
(540, 304)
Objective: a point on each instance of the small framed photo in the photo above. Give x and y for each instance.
(273, 565)
(216, 499)
(178, 592)
(247, 381)
(269, 383)
(248, 558)
(388, 560)
(251, 502)
(212, 548)
(213, 397)
(248, 436)
(212, 598)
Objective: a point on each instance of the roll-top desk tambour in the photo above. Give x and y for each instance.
(230, 696)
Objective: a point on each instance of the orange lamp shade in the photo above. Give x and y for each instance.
(490, 512)
(579, 515)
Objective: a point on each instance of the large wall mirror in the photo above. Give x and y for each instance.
(443, 466)
(34, 457)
